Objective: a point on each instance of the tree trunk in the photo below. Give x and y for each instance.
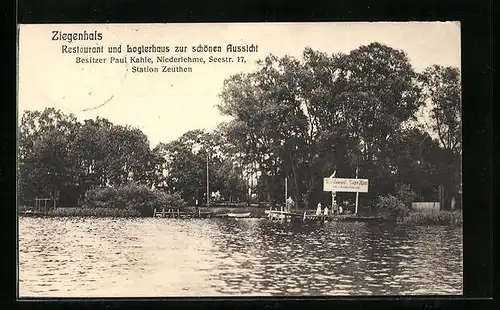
(248, 193)
(448, 187)
(269, 189)
(298, 204)
(309, 185)
(445, 197)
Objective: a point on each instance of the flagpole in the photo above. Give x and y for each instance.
(208, 185)
(286, 190)
(333, 193)
(357, 194)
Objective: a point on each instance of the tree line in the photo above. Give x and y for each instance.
(299, 119)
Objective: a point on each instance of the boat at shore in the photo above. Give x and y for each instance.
(238, 215)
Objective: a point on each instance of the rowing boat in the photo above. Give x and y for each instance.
(238, 215)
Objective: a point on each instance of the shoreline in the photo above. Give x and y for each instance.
(436, 218)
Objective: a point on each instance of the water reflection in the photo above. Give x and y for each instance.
(200, 257)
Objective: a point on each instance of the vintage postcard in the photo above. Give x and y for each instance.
(239, 159)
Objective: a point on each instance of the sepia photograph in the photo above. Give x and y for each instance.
(239, 159)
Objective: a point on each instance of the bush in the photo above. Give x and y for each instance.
(169, 200)
(392, 206)
(405, 194)
(138, 197)
(131, 197)
(102, 198)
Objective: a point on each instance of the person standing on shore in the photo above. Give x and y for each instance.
(318, 209)
(289, 204)
(335, 208)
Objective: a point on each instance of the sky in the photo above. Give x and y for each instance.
(166, 105)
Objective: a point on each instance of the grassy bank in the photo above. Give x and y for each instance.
(115, 212)
(95, 212)
(432, 218)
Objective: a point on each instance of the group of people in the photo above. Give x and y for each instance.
(325, 211)
(319, 212)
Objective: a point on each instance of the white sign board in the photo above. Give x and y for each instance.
(345, 185)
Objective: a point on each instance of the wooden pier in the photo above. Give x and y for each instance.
(307, 215)
(177, 213)
(277, 215)
(42, 207)
(310, 215)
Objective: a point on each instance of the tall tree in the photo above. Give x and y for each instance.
(59, 156)
(442, 92)
(267, 117)
(380, 96)
(187, 160)
(47, 162)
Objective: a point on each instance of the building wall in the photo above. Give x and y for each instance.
(425, 206)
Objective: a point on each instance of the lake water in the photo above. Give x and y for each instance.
(157, 257)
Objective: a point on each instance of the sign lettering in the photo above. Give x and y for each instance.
(345, 185)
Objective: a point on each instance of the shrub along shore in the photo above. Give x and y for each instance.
(432, 218)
